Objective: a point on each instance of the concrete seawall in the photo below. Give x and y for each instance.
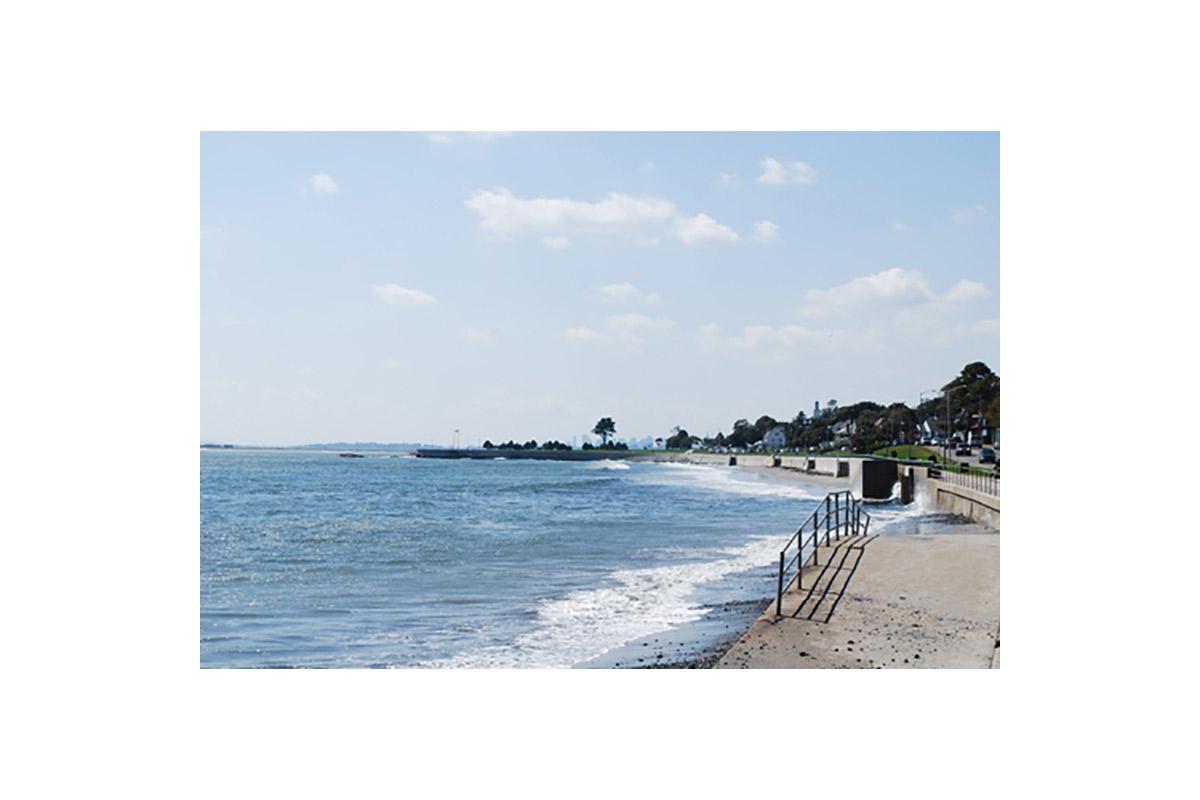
(954, 499)
(946, 496)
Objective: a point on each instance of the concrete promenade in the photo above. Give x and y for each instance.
(896, 601)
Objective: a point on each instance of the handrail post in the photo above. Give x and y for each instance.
(815, 536)
(837, 514)
(827, 505)
(779, 591)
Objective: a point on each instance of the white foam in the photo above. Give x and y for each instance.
(607, 464)
(727, 480)
(588, 623)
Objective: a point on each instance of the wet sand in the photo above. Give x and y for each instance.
(697, 645)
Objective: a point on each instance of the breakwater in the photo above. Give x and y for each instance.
(525, 455)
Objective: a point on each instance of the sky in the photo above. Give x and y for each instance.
(398, 287)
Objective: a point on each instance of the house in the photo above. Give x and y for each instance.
(776, 438)
(842, 432)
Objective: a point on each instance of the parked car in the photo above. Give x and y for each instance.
(963, 449)
(987, 456)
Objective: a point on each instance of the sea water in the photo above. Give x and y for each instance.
(312, 560)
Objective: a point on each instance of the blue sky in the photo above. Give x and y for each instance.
(395, 287)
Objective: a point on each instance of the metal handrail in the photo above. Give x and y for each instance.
(842, 512)
(987, 484)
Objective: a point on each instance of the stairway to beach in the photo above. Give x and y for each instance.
(928, 600)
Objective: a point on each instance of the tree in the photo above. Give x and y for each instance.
(487, 445)
(605, 428)
(680, 440)
(743, 434)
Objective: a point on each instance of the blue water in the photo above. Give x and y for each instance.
(311, 560)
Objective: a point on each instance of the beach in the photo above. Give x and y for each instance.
(924, 593)
(914, 601)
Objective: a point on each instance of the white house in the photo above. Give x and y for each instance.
(776, 438)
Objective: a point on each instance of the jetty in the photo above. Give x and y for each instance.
(492, 454)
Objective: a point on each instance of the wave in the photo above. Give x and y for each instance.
(608, 464)
(587, 623)
(727, 480)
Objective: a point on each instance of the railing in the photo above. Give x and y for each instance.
(839, 514)
(987, 484)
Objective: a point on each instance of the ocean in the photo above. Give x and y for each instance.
(312, 560)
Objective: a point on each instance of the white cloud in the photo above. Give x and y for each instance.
(892, 287)
(582, 334)
(443, 137)
(396, 295)
(766, 231)
(703, 228)
(768, 340)
(627, 330)
(477, 336)
(727, 179)
(965, 216)
(965, 291)
(899, 227)
(556, 242)
(642, 218)
(777, 173)
(627, 293)
(503, 213)
(322, 183)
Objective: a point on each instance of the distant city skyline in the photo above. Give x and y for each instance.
(400, 287)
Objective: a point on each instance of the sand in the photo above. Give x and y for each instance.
(908, 601)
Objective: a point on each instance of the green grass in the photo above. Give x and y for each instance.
(919, 452)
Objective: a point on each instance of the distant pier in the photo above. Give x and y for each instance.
(526, 455)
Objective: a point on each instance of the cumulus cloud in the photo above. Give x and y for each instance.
(627, 330)
(501, 212)
(477, 336)
(322, 183)
(727, 179)
(443, 137)
(778, 173)
(893, 290)
(766, 231)
(396, 295)
(703, 228)
(642, 218)
(885, 313)
(627, 293)
(892, 287)
(965, 216)
(767, 340)
(964, 291)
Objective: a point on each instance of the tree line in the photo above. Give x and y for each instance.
(974, 404)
